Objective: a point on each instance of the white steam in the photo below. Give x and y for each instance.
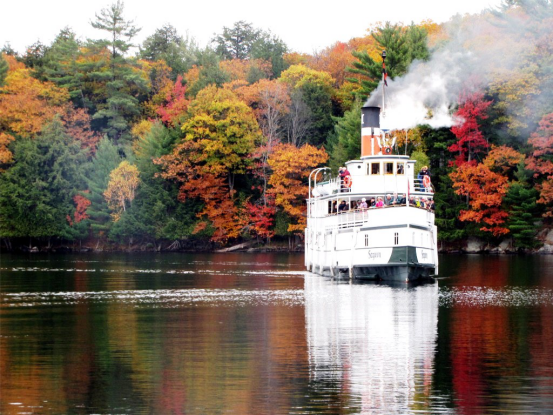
(425, 94)
(478, 50)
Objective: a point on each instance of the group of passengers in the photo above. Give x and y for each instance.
(423, 178)
(384, 201)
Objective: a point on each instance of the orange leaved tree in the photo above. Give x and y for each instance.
(26, 105)
(485, 190)
(291, 168)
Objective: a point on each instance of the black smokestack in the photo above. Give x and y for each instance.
(370, 117)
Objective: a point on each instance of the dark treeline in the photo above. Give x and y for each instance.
(165, 145)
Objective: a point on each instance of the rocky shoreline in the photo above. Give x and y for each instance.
(472, 245)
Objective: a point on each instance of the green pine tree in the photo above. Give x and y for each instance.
(210, 72)
(123, 86)
(3, 69)
(36, 193)
(167, 45)
(524, 214)
(156, 213)
(319, 102)
(61, 67)
(402, 46)
(105, 160)
(347, 137)
(434, 146)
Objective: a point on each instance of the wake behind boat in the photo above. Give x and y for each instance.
(394, 239)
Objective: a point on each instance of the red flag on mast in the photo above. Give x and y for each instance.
(384, 73)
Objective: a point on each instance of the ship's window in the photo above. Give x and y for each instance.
(366, 239)
(375, 168)
(396, 238)
(400, 168)
(389, 168)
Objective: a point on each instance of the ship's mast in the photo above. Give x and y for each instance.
(384, 82)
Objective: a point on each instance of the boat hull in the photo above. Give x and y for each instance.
(352, 245)
(393, 273)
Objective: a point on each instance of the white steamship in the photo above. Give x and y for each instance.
(395, 242)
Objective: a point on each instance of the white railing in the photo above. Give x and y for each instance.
(352, 219)
(419, 186)
(356, 218)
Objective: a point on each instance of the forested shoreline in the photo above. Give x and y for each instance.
(108, 145)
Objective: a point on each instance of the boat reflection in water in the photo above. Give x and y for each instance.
(376, 341)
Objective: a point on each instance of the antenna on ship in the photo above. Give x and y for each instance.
(384, 82)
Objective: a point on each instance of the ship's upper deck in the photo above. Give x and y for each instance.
(370, 175)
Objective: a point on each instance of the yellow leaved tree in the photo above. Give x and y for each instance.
(122, 185)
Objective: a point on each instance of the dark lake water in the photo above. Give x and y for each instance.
(255, 334)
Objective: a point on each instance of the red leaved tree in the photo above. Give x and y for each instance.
(261, 218)
(470, 140)
(173, 111)
(77, 125)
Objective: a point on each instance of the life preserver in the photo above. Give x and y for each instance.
(347, 181)
(388, 150)
(426, 181)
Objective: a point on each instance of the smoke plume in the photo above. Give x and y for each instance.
(495, 46)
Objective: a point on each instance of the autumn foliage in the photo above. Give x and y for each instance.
(470, 140)
(540, 160)
(220, 133)
(485, 190)
(173, 110)
(121, 189)
(187, 144)
(291, 168)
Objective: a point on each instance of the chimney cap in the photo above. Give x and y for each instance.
(366, 105)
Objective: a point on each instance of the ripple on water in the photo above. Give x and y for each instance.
(448, 297)
(160, 298)
(156, 271)
(495, 297)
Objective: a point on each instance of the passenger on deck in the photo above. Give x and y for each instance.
(389, 200)
(400, 201)
(372, 204)
(363, 204)
(424, 179)
(430, 205)
(343, 206)
(412, 201)
(379, 202)
(345, 178)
